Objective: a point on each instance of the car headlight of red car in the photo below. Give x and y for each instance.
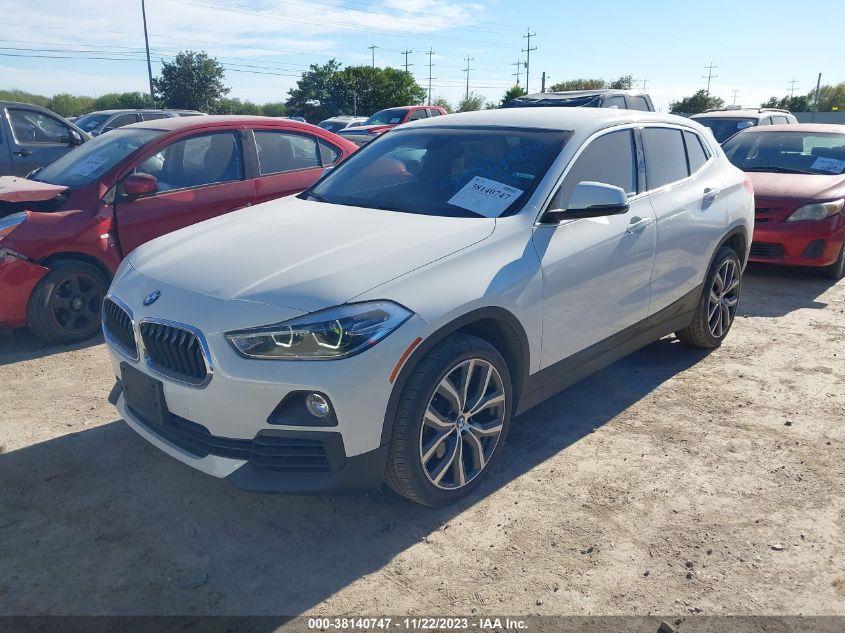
(817, 211)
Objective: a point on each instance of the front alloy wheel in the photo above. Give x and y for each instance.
(462, 424)
(451, 419)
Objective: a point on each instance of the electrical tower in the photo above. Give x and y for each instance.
(527, 50)
(735, 94)
(518, 73)
(709, 76)
(430, 65)
(373, 51)
(643, 81)
(792, 83)
(466, 70)
(406, 53)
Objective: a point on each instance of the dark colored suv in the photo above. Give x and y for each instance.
(32, 136)
(622, 99)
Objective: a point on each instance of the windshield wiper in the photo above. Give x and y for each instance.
(778, 170)
(314, 196)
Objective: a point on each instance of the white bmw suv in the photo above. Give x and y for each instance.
(386, 325)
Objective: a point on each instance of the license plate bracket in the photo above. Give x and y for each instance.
(144, 395)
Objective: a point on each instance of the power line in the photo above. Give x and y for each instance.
(528, 35)
(466, 70)
(709, 76)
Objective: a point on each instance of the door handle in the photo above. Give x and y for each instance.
(23, 153)
(710, 194)
(638, 225)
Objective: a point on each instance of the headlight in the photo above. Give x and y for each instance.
(336, 332)
(818, 211)
(11, 222)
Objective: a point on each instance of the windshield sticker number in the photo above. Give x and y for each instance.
(485, 197)
(395, 119)
(830, 165)
(89, 165)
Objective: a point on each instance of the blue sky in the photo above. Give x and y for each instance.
(758, 47)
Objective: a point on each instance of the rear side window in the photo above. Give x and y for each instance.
(152, 116)
(433, 112)
(614, 102)
(279, 152)
(416, 115)
(665, 156)
(608, 159)
(696, 156)
(329, 154)
(779, 120)
(120, 121)
(638, 103)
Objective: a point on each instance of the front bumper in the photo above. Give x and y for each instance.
(811, 244)
(234, 407)
(17, 280)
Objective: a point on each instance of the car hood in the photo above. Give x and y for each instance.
(797, 186)
(302, 254)
(20, 194)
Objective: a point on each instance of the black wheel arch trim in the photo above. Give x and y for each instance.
(520, 354)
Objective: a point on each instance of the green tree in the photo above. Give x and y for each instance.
(22, 96)
(512, 93)
(236, 106)
(192, 81)
(65, 104)
(471, 103)
(443, 102)
(800, 103)
(311, 97)
(121, 100)
(831, 98)
(274, 109)
(699, 102)
(578, 84)
(357, 89)
(625, 82)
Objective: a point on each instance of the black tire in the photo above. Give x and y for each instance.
(405, 470)
(66, 304)
(700, 332)
(837, 269)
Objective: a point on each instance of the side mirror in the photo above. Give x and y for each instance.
(106, 129)
(139, 185)
(591, 200)
(75, 138)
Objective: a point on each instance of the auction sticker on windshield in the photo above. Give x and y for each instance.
(485, 197)
(89, 165)
(831, 165)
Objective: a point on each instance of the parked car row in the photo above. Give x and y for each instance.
(95, 123)
(725, 122)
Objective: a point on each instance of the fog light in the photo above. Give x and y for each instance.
(317, 405)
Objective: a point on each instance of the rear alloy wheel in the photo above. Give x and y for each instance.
(451, 421)
(719, 301)
(66, 304)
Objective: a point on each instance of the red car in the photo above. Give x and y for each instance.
(64, 231)
(798, 173)
(384, 120)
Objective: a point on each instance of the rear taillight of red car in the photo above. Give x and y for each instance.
(748, 186)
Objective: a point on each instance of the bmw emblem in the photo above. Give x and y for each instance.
(151, 298)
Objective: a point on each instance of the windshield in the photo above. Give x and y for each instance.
(723, 127)
(393, 116)
(91, 122)
(589, 101)
(332, 126)
(788, 152)
(467, 172)
(91, 160)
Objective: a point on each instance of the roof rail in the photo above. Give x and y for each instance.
(774, 110)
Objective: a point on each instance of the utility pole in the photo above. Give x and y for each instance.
(430, 65)
(644, 82)
(735, 94)
(543, 85)
(406, 53)
(792, 83)
(466, 70)
(527, 50)
(373, 51)
(147, 45)
(709, 76)
(518, 73)
(818, 90)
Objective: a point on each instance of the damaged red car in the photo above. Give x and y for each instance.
(65, 229)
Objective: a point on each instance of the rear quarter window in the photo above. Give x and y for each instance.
(665, 156)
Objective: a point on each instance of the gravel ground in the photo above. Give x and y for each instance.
(674, 482)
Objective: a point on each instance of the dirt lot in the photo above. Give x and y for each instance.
(672, 482)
